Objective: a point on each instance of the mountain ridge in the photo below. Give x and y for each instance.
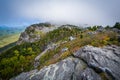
(56, 45)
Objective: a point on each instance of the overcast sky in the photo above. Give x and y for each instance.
(26, 12)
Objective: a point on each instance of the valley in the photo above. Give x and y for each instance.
(8, 39)
(8, 36)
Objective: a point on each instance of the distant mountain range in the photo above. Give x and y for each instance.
(5, 30)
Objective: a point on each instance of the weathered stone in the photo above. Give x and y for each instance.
(64, 49)
(89, 74)
(25, 75)
(88, 63)
(105, 59)
(34, 33)
(71, 38)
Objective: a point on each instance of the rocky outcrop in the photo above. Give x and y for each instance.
(49, 47)
(105, 60)
(34, 32)
(88, 63)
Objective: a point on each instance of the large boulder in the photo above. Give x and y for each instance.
(62, 70)
(102, 60)
(88, 63)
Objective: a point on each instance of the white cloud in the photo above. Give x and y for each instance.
(62, 11)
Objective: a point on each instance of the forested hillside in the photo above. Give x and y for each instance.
(53, 46)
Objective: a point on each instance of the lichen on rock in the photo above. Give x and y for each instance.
(88, 63)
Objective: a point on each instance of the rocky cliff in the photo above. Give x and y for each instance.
(88, 63)
(35, 32)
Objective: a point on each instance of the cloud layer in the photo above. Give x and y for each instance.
(101, 12)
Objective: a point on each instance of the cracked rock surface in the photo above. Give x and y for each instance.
(88, 63)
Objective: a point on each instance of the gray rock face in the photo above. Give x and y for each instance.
(34, 33)
(49, 47)
(106, 60)
(89, 63)
(62, 70)
(25, 37)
